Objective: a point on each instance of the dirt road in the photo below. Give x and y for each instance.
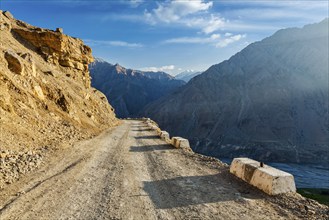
(129, 173)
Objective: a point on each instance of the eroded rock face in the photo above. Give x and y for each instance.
(56, 47)
(20, 63)
(46, 101)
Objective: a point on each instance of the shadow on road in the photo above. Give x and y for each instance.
(194, 190)
(138, 126)
(151, 148)
(148, 137)
(147, 129)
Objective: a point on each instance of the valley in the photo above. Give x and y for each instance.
(128, 90)
(268, 102)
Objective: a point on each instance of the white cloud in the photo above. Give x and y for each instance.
(215, 40)
(207, 24)
(149, 17)
(214, 24)
(230, 40)
(193, 40)
(174, 10)
(112, 43)
(157, 69)
(124, 44)
(135, 3)
(188, 13)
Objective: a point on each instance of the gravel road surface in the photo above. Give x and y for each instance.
(127, 172)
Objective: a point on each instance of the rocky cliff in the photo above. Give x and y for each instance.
(130, 90)
(46, 101)
(268, 102)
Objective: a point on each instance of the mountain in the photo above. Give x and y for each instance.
(268, 102)
(187, 75)
(130, 90)
(46, 101)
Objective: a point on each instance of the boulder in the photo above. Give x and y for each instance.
(31, 69)
(39, 92)
(66, 63)
(79, 66)
(8, 15)
(14, 62)
(60, 30)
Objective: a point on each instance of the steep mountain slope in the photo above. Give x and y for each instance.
(45, 96)
(130, 90)
(187, 75)
(269, 101)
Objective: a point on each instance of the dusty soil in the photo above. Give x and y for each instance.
(127, 172)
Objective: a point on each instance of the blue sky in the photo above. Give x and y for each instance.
(171, 36)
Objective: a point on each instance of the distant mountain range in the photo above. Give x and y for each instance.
(130, 90)
(187, 75)
(268, 102)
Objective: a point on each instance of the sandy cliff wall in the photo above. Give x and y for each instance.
(45, 95)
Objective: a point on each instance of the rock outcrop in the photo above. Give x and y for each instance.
(130, 90)
(268, 102)
(56, 48)
(46, 101)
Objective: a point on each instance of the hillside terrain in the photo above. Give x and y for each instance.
(46, 101)
(128, 172)
(268, 102)
(130, 90)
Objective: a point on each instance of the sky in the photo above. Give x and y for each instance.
(168, 35)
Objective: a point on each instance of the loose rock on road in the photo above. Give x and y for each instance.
(129, 173)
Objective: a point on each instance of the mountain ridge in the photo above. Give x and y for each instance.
(130, 90)
(271, 97)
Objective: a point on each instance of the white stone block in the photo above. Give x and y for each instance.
(184, 144)
(180, 142)
(268, 179)
(165, 136)
(175, 141)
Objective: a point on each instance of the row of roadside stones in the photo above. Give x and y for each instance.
(177, 142)
(266, 178)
